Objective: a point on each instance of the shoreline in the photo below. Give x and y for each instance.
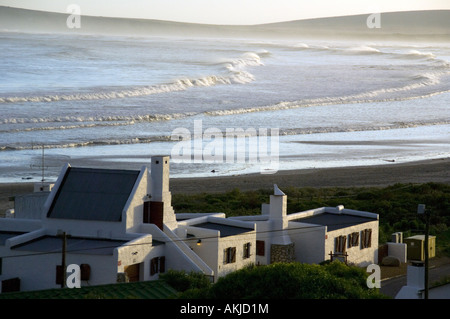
(424, 171)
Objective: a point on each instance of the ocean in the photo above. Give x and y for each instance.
(115, 100)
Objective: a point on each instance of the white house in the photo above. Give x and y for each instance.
(120, 225)
(415, 285)
(316, 235)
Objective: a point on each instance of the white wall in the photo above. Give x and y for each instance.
(212, 247)
(134, 211)
(139, 250)
(208, 248)
(39, 272)
(398, 250)
(238, 242)
(309, 242)
(356, 255)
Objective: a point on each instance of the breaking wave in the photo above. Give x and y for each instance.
(100, 142)
(363, 50)
(415, 54)
(365, 97)
(283, 132)
(97, 120)
(234, 72)
(374, 96)
(411, 54)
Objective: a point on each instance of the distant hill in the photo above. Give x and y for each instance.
(405, 25)
(392, 24)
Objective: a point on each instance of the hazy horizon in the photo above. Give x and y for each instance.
(401, 25)
(232, 12)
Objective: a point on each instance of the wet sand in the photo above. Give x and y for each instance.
(436, 170)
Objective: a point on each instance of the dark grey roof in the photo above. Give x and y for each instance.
(93, 194)
(225, 230)
(4, 235)
(335, 221)
(76, 245)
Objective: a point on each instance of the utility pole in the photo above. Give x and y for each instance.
(43, 164)
(421, 210)
(64, 236)
(427, 235)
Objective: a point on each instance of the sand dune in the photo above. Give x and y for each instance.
(405, 25)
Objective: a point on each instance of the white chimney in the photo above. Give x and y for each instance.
(277, 214)
(159, 188)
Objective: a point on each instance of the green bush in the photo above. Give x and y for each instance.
(183, 281)
(334, 280)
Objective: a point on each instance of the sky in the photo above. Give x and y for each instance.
(229, 11)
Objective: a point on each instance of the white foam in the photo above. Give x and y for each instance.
(235, 73)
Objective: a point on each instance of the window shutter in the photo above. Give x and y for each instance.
(233, 254)
(355, 238)
(85, 270)
(369, 239)
(343, 244)
(260, 247)
(162, 264)
(363, 239)
(153, 266)
(366, 238)
(11, 285)
(157, 214)
(225, 256)
(340, 244)
(246, 250)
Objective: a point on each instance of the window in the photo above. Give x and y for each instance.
(366, 238)
(247, 248)
(340, 244)
(353, 239)
(229, 255)
(157, 264)
(260, 248)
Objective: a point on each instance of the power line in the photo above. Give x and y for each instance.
(171, 240)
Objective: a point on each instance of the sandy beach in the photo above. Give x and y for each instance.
(436, 170)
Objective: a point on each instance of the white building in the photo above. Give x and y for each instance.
(316, 235)
(415, 285)
(120, 225)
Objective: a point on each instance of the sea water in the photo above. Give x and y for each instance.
(114, 101)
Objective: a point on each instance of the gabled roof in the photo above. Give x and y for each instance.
(93, 194)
